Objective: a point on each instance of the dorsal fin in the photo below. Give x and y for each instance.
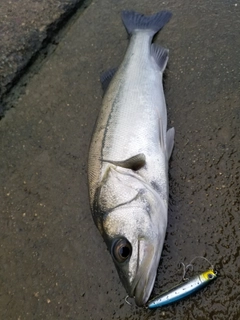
(161, 134)
(106, 78)
(160, 55)
(134, 163)
(170, 141)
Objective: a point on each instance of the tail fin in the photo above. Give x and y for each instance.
(136, 21)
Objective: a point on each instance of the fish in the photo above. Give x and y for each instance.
(129, 155)
(183, 290)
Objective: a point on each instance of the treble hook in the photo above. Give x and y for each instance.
(201, 257)
(185, 269)
(190, 266)
(126, 300)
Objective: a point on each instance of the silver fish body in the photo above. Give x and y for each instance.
(128, 159)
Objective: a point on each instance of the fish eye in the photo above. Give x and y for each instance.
(122, 250)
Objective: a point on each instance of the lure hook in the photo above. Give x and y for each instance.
(185, 269)
(126, 300)
(201, 257)
(190, 266)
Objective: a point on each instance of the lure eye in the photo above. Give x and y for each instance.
(210, 276)
(122, 250)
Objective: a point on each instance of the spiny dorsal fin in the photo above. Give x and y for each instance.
(160, 55)
(134, 163)
(106, 78)
(161, 134)
(170, 141)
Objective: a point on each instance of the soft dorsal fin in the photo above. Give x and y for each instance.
(134, 163)
(106, 78)
(160, 55)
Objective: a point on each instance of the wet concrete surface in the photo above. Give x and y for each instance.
(54, 264)
(27, 26)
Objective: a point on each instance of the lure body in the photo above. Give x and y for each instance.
(183, 290)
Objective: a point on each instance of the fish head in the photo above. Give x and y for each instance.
(134, 230)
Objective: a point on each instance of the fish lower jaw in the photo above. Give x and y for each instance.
(140, 296)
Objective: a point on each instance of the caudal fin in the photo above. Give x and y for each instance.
(136, 21)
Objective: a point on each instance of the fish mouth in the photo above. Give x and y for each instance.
(143, 289)
(145, 277)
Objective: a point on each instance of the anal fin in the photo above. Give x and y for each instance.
(106, 78)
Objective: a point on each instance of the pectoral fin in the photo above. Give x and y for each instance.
(134, 163)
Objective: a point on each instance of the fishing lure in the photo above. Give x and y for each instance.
(183, 290)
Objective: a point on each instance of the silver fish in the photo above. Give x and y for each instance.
(128, 158)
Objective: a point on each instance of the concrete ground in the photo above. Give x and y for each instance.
(26, 27)
(54, 264)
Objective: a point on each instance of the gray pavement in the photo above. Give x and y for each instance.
(54, 264)
(27, 26)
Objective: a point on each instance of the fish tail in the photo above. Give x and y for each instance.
(136, 21)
